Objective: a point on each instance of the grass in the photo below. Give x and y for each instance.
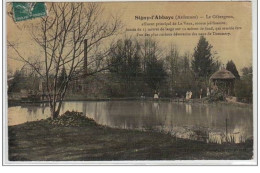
(68, 140)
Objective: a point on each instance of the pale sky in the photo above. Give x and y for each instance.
(237, 47)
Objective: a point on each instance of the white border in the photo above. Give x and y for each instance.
(161, 163)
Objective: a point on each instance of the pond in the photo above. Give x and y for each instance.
(207, 122)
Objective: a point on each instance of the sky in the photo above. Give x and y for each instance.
(236, 47)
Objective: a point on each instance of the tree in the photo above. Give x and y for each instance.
(149, 49)
(204, 63)
(15, 85)
(247, 72)
(126, 58)
(172, 63)
(152, 64)
(186, 78)
(61, 36)
(244, 87)
(230, 66)
(154, 73)
(62, 77)
(186, 63)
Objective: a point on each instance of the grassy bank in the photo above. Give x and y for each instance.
(81, 139)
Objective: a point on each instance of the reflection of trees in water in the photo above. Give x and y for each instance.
(29, 110)
(32, 112)
(63, 106)
(156, 107)
(99, 111)
(129, 114)
(210, 117)
(110, 105)
(243, 124)
(145, 114)
(96, 110)
(188, 109)
(152, 116)
(43, 107)
(156, 112)
(239, 121)
(120, 114)
(84, 108)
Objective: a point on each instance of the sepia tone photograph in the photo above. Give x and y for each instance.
(129, 81)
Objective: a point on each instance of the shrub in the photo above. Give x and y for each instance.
(243, 90)
(217, 96)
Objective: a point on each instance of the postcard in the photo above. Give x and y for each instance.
(130, 82)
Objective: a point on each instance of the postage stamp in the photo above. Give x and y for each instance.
(28, 10)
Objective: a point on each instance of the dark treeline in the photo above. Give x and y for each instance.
(244, 86)
(143, 67)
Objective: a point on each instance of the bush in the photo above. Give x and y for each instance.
(218, 96)
(243, 90)
(74, 119)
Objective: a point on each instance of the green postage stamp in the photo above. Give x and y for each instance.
(28, 10)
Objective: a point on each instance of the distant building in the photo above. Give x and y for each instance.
(223, 80)
(81, 84)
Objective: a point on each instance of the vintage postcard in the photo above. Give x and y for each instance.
(158, 82)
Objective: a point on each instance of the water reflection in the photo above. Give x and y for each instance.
(188, 109)
(193, 121)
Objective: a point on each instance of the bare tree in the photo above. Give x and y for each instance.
(63, 35)
(172, 65)
(150, 49)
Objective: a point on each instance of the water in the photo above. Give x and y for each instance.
(205, 122)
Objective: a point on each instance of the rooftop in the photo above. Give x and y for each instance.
(222, 74)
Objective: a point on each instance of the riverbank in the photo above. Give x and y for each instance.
(82, 140)
(176, 100)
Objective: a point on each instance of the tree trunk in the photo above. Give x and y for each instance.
(54, 114)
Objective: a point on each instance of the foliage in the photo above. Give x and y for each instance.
(204, 63)
(132, 67)
(180, 76)
(136, 68)
(23, 81)
(126, 60)
(244, 87)
(230, 66)
(62, 77)
(72, 119)
(243, 91)
(173, 61)
(247, 72)
(217, 96)
(154, 73)
(16, 84)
